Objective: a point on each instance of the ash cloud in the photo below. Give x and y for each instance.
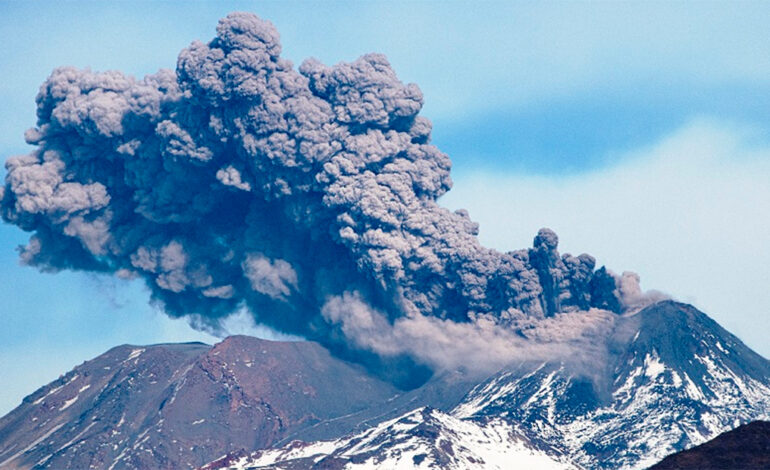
(481, 346)
(306, 195)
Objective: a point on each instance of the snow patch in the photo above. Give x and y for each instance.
(134, 354)
(395, 444)
(54, 390)
(69, 403)
(653, 366)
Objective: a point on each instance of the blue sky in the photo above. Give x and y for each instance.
(638, 131)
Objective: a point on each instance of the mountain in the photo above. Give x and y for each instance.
(672, 378)
(745, 448)
(183, 405)
(665, 379)
(422, 438)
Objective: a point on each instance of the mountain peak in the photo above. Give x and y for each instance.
(672, 378)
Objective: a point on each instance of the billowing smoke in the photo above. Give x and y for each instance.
(485, 343)
(307, 196)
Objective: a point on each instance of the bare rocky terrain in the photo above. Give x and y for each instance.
(744, 448)
(182, 405)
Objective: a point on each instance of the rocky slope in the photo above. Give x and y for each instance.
(182, 405)
(744, 448)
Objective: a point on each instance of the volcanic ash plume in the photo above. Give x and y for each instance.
(300, 194)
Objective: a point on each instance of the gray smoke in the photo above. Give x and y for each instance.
(239, 181)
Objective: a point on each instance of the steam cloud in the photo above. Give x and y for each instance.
(308, 196)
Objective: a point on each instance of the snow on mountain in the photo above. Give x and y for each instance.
(421, 439)
(679, 381)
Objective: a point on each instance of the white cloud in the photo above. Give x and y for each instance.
(690, 214)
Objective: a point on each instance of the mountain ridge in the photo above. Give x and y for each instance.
(672, 379)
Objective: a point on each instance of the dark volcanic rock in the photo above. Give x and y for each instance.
(744, 448)
(183, 405)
